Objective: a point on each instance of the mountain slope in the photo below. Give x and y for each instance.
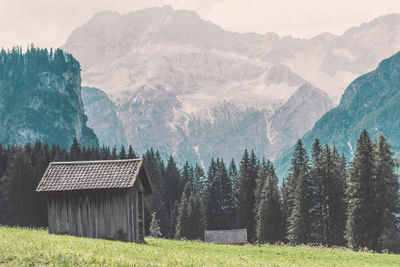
(102, 117)
(370, 102)
(222, 130)
(163, 67)
(121, 53)
(40, 98)
(294, 118)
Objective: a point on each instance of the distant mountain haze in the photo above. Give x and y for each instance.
(188, 87)
(103, 117)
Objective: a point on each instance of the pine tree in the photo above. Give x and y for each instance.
(233, 174)
(131, 154)
(318, 180)
(269, 226)
(75, 150)
(260, 181)
(172, 188)
(155, 201)
(187, 173)
(336, 215)
(114, 154)
(388, 201)
(361, 215)
(17, 189)
(244, 196)
(218, 197)
(210, 198)
(105, 153)
(300, 196)
(155, 230)
(122, 153)
(199, 179)
(3, 160)
(196, 217)
(174, 180)
(183, 227)
(286, 205)
(225, 198)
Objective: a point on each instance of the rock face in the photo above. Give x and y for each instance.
(298, 115)
(170, 74)
(222, 130)
(195, 58)
(40, 99)
(103, 118)
(370, 102)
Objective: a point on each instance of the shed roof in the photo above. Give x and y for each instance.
(87, 175)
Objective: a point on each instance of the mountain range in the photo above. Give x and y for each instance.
(370, 102)
(188, 87)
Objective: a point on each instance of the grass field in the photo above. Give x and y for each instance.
(23, 247)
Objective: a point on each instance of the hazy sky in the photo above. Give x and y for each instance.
(49, 22)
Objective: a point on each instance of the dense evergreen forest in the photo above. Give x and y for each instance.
(324, 200)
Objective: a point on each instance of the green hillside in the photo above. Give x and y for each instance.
(23, 247)
(370, 102)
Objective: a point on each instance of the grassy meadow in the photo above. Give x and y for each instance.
(26, 247)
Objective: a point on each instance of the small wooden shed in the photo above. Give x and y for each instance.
(236, 236)
(98, 199)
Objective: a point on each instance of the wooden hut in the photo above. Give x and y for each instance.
(98, 199)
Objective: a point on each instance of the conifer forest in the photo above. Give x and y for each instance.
(324, 200)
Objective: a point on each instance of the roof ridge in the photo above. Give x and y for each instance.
(93, 161)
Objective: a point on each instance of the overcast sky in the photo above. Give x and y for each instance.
(49, 22)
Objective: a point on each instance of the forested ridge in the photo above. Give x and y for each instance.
(324, 200)
(40, 98)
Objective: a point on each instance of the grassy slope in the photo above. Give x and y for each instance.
(36, 247)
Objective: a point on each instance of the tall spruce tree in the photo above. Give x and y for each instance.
(269, 219)
(187, 174)
(183, 227)
(318, 177)
(199, 180)
(333, 205)
(131, 153)
(211, 209)
(105, 153)
(196, 216)
(155, 201)
(388, 201)
(362, 215)
(75, 150)
(17, 189)
(172, 189)
(233, 174)
(190, 222)
(260, 181)
(225, 197)
(114, 154)
(244, 196)
(122, 153)
(218, 197)
(300, 197)
(336, 204)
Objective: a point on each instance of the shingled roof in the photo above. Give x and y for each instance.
(86, 175)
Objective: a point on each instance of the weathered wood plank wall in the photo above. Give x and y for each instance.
(110, 214)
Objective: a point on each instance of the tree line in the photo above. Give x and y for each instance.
(327, 203)
(321, 201)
